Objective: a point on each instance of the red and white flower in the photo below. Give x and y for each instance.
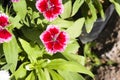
(50, 8)
(5, 36)
(3, 20)
(54, 39)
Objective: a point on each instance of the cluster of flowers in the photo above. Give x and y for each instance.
(53, 39)
(5, 36)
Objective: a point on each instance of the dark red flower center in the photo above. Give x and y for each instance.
(50, 5)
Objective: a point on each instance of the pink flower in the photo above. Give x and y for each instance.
(15, 0)
(50, 8)
(5, 36)
(54, 39)
(3, 20)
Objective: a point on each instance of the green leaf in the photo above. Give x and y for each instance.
(20, 73)
(60, 64)
(31, 76)
(32, 52)
(89, 22)
(77, 4)
(117, 6)
(47, 75)
(40, 74)
(11, 53)
(67, 9)
(70, 75)
(1, 8)
(75, 57)
(72, 47)
(118, 1)
(6, 67)
(32, 33)
(3, 61)
(55, 75)
(15, 21)
(20, 8)
(76, 29)
(99, 8)
(62, 23)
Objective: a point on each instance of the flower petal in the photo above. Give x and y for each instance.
(62, 38)
(47, 37)
(41, 5)
(58, 47)
(56, 2)
(53, 30)
(49, 47)
(49, 15)
(58, 10)
(3, 20)
(5, 36)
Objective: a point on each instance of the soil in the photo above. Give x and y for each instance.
(108, 50)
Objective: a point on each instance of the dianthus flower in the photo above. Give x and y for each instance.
(3, 20)
(5, 36)
(50, 8)
(54, 39)
(15, 0)
(4, 75)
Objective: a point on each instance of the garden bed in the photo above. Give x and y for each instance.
(59, 40)
(108, 50)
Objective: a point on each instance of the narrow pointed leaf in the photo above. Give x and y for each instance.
(31, 76)
(60, 64)
(11, 53)
(70, 75)
(67, 9)
(77, 4)
(117, 6)
(76, 29)
(55, 75)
